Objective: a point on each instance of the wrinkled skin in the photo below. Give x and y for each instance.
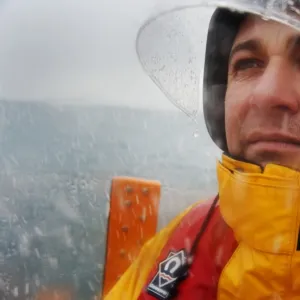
(262, 112)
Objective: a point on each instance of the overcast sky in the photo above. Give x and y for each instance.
(75, 50)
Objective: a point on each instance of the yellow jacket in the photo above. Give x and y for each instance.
(262, 211)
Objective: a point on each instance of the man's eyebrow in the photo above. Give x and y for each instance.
(255, 45)
(293, 42)
(252, 45)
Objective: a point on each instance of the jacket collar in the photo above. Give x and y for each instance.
(261, 206)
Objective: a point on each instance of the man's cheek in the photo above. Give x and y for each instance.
(232, 139)
(233, 129)
(235, 111)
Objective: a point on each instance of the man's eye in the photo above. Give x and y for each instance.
(244, 64)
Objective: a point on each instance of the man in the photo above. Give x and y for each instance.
(243, 244)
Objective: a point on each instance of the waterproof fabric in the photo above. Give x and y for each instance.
(262, 209)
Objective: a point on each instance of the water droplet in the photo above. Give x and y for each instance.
(26, 288)
(15, 292)
(196, 133)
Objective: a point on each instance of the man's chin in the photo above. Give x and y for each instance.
(277, 157)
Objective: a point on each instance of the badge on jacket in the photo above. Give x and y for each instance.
(171, 270)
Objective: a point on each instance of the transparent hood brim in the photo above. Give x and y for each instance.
(171, 43)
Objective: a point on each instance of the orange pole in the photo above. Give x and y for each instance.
(133, 216)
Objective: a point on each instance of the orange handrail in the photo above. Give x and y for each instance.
(133, 216)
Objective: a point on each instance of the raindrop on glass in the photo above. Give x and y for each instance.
(196, 133)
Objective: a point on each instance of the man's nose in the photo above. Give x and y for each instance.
(277, 88)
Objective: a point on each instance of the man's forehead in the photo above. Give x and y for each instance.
(255, 27)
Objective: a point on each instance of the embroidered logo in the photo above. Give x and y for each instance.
(169, 272)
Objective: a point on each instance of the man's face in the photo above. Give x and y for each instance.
(262, 104)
